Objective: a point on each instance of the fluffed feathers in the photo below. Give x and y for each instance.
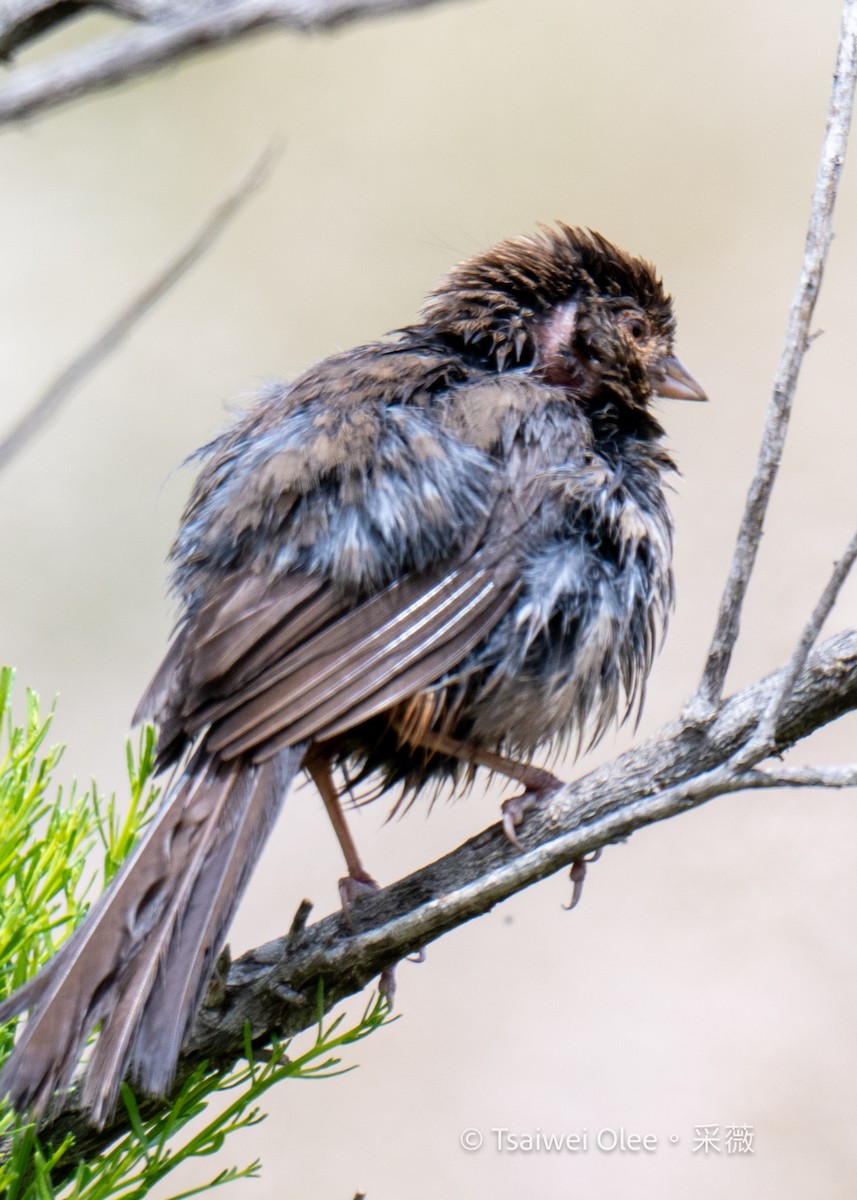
(457, 533)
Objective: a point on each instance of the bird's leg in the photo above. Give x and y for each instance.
(536, 781)
(358, 880)
(537, 784)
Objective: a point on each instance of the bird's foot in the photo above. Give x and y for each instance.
(387, 984)
(514, 810)
(577, 875)
(538, 784)
(387, 978)
(354, 885)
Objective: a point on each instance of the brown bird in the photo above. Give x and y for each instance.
(441, 550)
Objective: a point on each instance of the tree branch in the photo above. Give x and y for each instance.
(22, 21)
(70, 378)
(171, 33)
(797, 342)
(762, 740)
(828, 776)
(273, 987)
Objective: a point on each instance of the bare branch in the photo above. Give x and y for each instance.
(763, 738)
(49, 403)
(828, 776)
(23, 20)
(273, 988)
(157, 44)
(797, 340)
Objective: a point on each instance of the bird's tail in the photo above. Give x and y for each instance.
(140, 961)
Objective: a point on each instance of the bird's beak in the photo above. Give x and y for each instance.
(674, 382)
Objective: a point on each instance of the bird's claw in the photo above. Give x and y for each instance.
(577, 875)
(387, 978)
(514, 810)
(352, 887)
(387, 984)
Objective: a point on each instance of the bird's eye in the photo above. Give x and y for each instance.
(635, 323)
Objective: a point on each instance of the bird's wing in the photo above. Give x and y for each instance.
(292, 663)
(387, 648)
(273, 659)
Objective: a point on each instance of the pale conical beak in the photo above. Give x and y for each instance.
(674, 382)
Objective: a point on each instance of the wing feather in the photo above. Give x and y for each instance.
(415, 630)
(271, 659)
(431, 663)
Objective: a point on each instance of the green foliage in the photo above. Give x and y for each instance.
(45, 840)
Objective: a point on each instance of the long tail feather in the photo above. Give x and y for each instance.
(141, 960)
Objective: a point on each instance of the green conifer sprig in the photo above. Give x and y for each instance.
(46, 885)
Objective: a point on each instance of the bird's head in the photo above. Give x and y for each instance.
(572, 307)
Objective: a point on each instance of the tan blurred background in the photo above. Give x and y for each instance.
(710, 974)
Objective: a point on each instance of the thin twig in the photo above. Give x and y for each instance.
(152, 46)
(796, 342)
(51, 400)
(22, 21)
(827, 776)
(763, 738)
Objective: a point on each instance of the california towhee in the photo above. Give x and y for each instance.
(436, 551)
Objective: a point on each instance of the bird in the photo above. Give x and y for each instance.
(446, 549)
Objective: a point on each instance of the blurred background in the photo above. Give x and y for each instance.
(710, 974)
